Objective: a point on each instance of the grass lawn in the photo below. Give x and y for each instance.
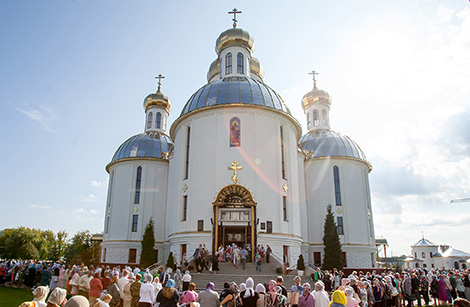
(12, 297)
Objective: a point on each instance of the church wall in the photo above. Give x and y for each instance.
(211, 155)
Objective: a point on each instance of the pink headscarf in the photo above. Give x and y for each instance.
(272, 287)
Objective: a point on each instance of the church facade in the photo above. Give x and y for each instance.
(234, 168)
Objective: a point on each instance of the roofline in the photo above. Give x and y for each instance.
(133, 159)
(236, 105)
(369, 166)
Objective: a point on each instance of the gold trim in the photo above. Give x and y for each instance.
(134, 158)
(280, 234)
(346, 244)
(308, 157)
(231, 105)
(232, 189)
(187, 232)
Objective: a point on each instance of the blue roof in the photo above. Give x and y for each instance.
(235, 90)
(329, 143)
(144, 145)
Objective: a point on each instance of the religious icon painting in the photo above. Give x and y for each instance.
(235, 132)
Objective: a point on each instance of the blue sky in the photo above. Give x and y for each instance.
(74, 75)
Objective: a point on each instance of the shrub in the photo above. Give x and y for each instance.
(279, 270)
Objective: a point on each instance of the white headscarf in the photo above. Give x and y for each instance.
(57, 296)
(249, 287)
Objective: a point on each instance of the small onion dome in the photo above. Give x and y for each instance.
(329, 143)
(214, 70)
(256, 68)
(147, 145)
(315, 96)
(157, 99)
(234, 36)
(235, 91)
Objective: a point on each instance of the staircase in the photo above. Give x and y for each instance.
(229, 273)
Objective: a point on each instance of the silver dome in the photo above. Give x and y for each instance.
(145, 145)
(235, 90)
(329, 143)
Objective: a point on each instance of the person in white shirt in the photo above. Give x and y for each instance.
(123, 280)
(147, 291)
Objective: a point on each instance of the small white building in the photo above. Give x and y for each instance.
(428, 255)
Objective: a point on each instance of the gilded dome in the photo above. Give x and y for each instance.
(214, 70)
(234, 36)
(157, 99)
(314, 96)
(256, 68)
(235, 90)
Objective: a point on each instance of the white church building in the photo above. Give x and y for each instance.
(235, 167)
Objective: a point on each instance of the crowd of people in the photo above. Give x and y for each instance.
(53, 284)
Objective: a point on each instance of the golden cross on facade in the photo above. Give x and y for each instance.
(285, 187)
(235, 167)
(314, 78)
(235, 12)
(159, 77)
(136, 209)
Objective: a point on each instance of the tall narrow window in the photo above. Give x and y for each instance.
(185, 207)
(323, 115)
(138, 182)
(337, 187)
(283, 168)
(149, 120)
(339, 222)
(240, 66)
(135, 222)
(228, 63)
(107, 224)
(308, 120)
(186, 169)
(344, 259)
(164, 122)
(315, 118)
(284, 207)
(235, 132)
(159, 120)
(269, 226)
(200, 225)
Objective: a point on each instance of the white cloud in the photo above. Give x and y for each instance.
(89, 199)
(99, 184)
(92, 211)
(80, 210)
(41, 206)
(44, 115)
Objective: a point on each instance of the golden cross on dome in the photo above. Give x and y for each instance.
(159, 77)
(235, 167)
(314, 78)
(235, 12)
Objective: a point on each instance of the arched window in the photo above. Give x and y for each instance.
(315, 118)
(416, 255)
(164, 122)
(323, 115)
(149, 120)
(158, 120)
(423, 255)
(228, 63)
(240, 64)
(308, 120)
(337, 186)
(235, 132)
(283, 168)
(456, 265)
(417, 265)
(186, 170)
(138, 182)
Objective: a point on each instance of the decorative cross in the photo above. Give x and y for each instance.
(159, 77)
(185, 188)
(235, 12)
(136, 209)
(314, 79)
(235, 167)
(285, 187)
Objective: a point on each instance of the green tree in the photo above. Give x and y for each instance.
(147, 256)
(24, 243)
(59, 245)
(332, 256)
(301, 263)
(170, 262)
(80, 249)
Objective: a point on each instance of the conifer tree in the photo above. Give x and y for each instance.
(147, 256)
(332, 256)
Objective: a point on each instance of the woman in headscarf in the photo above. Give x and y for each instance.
(95, 287)
(114, 291)
(338, 299)
(189, 297)
(377, 290)
(177, 277)
(306, 299)
(62, 279)
(168, 296)
(249, 296)
(209, 298)
(350, 300)
(263, 299)
(147, 291)
(321, 296)
(77, 301)
(40, 294)
(186, 280)
(57, 298)
(443, 298)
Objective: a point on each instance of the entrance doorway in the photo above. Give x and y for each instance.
(235, 216)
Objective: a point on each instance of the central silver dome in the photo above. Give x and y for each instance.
(235, 90)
